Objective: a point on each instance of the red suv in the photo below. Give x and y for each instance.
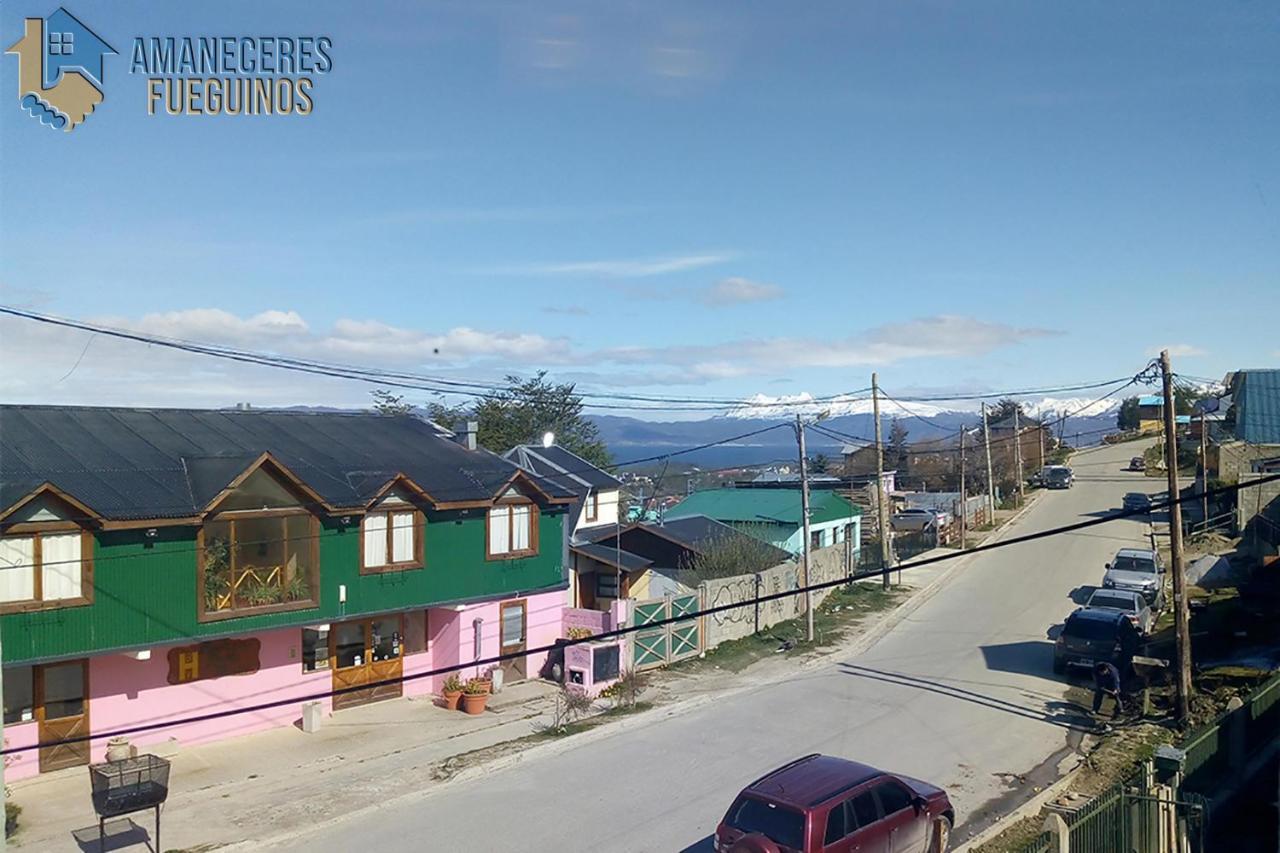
(820, 804)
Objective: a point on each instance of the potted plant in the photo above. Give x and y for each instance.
(452, 692)
(474, 696)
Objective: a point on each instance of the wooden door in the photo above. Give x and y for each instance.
(366, 652)
(513, 623)
(62, 711)
(348, 654)
(386, 657)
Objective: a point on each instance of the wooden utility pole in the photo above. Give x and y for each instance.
(964, 497)
(1204, 473)
(882, 513)
(991, 482)
(1181, 617)
(804, 514)
(1017, 447)
(1040, 431)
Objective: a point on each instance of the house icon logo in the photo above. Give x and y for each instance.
(59, 69)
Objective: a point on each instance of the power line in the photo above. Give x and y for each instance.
(620, 632)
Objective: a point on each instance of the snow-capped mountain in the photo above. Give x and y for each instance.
(764, 406)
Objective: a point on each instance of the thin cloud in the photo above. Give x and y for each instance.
(1177, 350)
(618, 268)
(566, 310)
(736, 290)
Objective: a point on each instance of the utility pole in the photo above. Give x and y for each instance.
(882, 515)
(804, 514)
(964, 497)
(1017, 446)
(1181, 619)
(991, 482)
(1040, 431)
(1204, 473)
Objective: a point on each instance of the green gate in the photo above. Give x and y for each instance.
(666, 643)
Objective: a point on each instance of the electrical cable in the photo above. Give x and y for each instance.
(620, 632)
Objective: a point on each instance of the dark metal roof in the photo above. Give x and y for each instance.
(698, 532)
(168, 463)
(564, 466)
(609, 555)
(812, 780)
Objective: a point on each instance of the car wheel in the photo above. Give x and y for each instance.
(940, 837)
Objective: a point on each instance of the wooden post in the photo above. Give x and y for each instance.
(964, 498)
(991, 483)
(1181, 616)
(1204, 473)
(882, 514)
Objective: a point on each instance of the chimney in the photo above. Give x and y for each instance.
(467, 435)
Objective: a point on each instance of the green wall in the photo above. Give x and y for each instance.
(145, 589)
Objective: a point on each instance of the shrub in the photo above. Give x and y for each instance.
(452, 684)
(579, 633)
(476, 687)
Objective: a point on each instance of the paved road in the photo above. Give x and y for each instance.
(961, 693)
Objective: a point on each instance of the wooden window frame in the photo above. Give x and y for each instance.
(203, 614)
(617, 581)
(419, 541)
(592, 510)
(532, 550)
(54, 528)
(523, 604)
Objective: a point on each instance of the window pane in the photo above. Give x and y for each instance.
(217, 566)
(402, 537)
(863, 811)
(499, 530)
(835, 824)
(349, 644)
(520, 528)
(19, 694)
(606, 585)
(295, 579)
(386, 641)
(63, 690)
(375, 540)
(60, 566)
(260, 490)
(17, 572)
(260, 561)
(893, 798)
(512, 626)
(779, 823)
(315, 649)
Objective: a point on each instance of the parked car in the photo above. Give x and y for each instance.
(1137, 501)
(1137, 570)
(1137, 463)
(1132, 604)
(913, 520)
(821, 803)
(1093, 634)
(1058, 477)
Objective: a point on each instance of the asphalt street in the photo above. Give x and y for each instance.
(961, 693)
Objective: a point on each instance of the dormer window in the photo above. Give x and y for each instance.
(391, 536)
(49, 567)
(591, 511)
(512, 528)
(259, 551)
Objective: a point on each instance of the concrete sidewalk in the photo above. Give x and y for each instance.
(245, 791)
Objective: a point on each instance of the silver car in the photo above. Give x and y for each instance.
(1137, 570)
(1131, 604)
(913, 520)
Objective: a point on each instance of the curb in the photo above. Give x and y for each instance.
(1027, 809)
(864, 641)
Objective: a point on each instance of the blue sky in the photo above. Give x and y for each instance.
(716, 199)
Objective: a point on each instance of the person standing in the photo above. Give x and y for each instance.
(1106, 682)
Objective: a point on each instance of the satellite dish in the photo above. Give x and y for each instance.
(548, 439)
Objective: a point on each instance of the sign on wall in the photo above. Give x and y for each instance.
(214, 659)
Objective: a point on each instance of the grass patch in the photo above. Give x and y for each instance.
(843, 610)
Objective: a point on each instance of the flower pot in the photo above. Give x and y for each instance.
(451, 699)
(488, 684)
(119, 749)
(473, 703)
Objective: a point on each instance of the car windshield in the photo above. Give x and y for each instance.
(1134, 564)
(778, 823)
(1090, 629)
(1115, 602)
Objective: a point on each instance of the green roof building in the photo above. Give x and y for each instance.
(774, 515)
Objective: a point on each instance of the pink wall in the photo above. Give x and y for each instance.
(125, 692)
(20, 765)
(453, 634)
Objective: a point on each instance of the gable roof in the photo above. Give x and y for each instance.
(566, 467)
(694, 533)
(762, 506)
(1257, 405)
(170, 463)
(1151, 400)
